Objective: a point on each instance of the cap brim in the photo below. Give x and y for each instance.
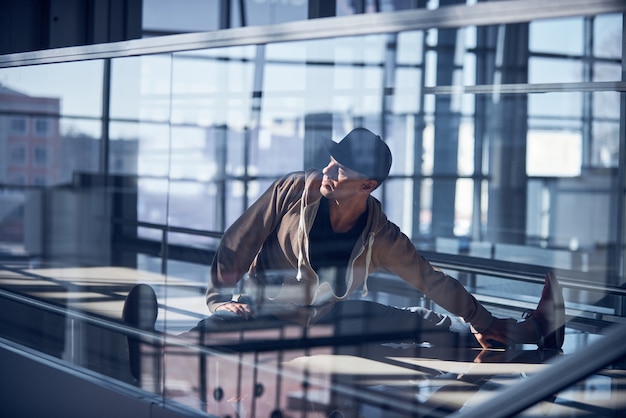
(329, 144)
(335, 152)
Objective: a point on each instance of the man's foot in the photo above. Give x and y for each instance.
(140, 311)
(549, 317)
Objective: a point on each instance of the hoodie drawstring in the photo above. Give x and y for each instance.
(301, 234)
(368, 259)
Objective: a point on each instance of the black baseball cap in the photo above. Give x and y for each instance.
(362, 151)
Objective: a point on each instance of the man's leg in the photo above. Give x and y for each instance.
(374, 321)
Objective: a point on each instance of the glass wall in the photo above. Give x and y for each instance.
(508, 155)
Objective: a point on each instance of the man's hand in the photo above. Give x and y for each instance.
(241, 309)
(496, 333)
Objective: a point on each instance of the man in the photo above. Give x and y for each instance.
(313, 238)
(306, 247)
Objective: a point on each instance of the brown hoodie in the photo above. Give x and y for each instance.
(268, 245)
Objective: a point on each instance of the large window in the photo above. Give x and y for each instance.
(508, 157)
(495, 131)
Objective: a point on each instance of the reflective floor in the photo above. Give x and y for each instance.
(272, 372)
(374, 380)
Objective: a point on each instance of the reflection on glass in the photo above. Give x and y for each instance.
(81, 147)
(69, 89)
(607, 35)
(164, 16)
(152, 203)
(140, 88)
(552, 154)
(213, 87)
(195, 137)
(547, 36)
(139, 149)
(544, 70)
(605, 148)
(562, 108)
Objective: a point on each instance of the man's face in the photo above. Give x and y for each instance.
(340, 182)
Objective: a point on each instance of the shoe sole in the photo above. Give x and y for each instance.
(140, 311)
(555, 338)
(141, 307)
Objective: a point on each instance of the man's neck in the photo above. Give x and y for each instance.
(345, 214)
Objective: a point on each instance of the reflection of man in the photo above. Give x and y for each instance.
(312, 239)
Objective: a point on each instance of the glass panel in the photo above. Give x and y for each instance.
(162, 16)
(544, 70)
(330, 82)
(142, 149)
(80, 151)
(404, 204)
(605, 129)
(46, 138)
(566, 108)
(607, 36)
(213, 87)
(426, 215)
(140, 88)
(140, 146)
(554, 154)
(547, 36)
(407, 99)
(533, 150)
(463, 208)
(606, 72)
(605, 151)
(68, 89)
(495, 186)
(262, 12)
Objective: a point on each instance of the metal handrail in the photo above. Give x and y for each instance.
(457, 262)
(516, 271)
(480, 14)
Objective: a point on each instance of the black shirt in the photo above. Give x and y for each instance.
(330, 251)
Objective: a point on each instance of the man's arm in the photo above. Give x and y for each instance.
(242, 241)
(398, 254)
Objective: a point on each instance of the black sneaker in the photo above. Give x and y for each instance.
(140, 311)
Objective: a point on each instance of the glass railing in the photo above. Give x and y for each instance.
(125, 163)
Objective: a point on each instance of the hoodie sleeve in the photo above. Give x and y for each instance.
(397, 254)
(244, 238)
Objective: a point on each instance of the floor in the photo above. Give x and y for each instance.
(375, 380)
(277, 375)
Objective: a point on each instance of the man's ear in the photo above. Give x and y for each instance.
(369, 185)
